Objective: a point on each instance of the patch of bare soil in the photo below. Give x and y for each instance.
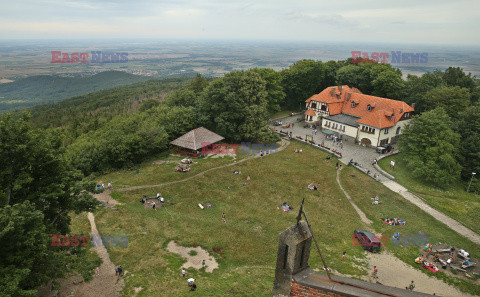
(196, 260)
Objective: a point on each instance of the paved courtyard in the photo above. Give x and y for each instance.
(361, 154)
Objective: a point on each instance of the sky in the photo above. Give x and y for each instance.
(451, 22)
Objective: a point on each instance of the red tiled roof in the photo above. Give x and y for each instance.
(310, 112)
(382, 114)
(335, 108)
(379, 115)
(329, 95)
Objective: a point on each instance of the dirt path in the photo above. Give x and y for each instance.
(106, 283)
(362, 215)
(394, 272)
(105, 197)
(283, 144)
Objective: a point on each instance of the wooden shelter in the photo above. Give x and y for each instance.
(193, 143)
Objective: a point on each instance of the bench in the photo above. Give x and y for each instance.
(469, 265)
(441, 250)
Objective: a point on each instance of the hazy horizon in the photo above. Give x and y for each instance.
(410, 21)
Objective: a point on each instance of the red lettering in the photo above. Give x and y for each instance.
(215, 148)
(56, 239)
(84, 240)
(74, 240)
(375, 57)
(355, 56)
(65, 241)
(384, 56)
(56, 56)
(74, 58)
(205, 148)
(365, 56)
(234, 147)
(355, 241)
(84, 57)
(65, 58)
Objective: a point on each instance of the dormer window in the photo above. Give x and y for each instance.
(354, 104)
(369, 107)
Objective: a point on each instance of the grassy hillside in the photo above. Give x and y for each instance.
(246, 245)
(46, 89)
(455, 202)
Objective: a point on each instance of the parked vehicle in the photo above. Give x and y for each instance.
(385, 149)
(367, 240)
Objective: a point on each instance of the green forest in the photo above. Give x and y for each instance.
(42, 89)
(50, 154)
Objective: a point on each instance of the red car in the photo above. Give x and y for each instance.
(367, 240)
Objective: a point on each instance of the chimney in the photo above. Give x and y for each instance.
(349, 95)
(340, 89)
(332, 91)
(413, 105)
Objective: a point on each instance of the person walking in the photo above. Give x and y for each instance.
(375, 272)
(411, 286)
(203, 263)
(224, 218)
(248, 179)
(184, 273)
(120, 272)
(154, 206)
(116, 270)
(97, 271)
(344, 254)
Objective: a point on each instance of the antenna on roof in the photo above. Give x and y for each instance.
(299, 217)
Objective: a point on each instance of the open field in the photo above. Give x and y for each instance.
(456, 202)
(245, 247)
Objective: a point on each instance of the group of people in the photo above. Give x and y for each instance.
(182, 169)
(394, 221)
(102, 186)
(298, 151)
(376, 200)
(286, 207)
(154, 205)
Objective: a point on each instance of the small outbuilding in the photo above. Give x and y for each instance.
(195, 142)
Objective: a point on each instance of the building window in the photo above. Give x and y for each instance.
(398, 130)
(369, 107)
(386, 130)
(354, 104)
(314, 105)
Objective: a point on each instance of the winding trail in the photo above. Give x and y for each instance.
(283, 144)
(362, 215)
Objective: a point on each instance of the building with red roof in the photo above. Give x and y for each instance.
(372, 120)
